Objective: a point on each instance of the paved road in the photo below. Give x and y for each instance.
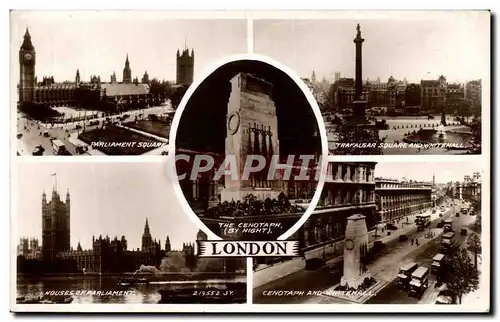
(31, 130)
(329, 276)
(31, 137)
(393, 295)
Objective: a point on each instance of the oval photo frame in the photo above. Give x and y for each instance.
(171, 160)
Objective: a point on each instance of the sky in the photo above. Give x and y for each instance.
(97, 43)
(106, 198)
(423, 171)
(415, 46)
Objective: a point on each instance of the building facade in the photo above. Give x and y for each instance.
(78, 92)
(471, 188)
(29, 248)
(344, 93)
(112, 256)
(185, 67)
(55, 225)
(390, 94)
(413, 99)
(378, 93)
(455, 98)
(350, 189)
(397, 199)
(433, 94)
(473, 94)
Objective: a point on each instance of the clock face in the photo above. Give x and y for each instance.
(349, 244)
(233, 122)
(28, 56)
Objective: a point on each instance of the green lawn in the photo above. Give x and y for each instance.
(112, 134)
(156, 127)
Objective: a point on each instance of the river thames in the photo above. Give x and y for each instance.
(106, 289)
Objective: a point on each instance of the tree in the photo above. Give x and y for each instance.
(38, 111)
(476, 132)
(459, 273)
(177, 96)
(465, 108)
(174, 262)
(348, 133)
(474, 245)
(329, 101)
(477, 224)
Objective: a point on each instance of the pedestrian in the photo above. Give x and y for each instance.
(412, 241)
(416, 240)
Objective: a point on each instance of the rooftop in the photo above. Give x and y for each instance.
(116, 89)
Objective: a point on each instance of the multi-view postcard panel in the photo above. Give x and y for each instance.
(389, 85)
(256, 192)
(385, 233)
(106, 233)
(108, 83)
(260, 157)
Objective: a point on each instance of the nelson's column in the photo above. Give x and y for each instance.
(359, 103)
(357, 128)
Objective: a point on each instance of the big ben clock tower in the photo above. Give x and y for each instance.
(27, 70)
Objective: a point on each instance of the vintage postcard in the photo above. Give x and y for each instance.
(332, 159)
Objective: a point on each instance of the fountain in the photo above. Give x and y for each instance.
(441, 132)
(460, 137)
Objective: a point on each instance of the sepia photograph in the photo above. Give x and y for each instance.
(107, 82)
(390, 82)
(292, 161)
(248, 151)
(387, 233)
(112, 233)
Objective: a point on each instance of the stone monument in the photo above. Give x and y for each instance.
(251, 129)
(359, 103)
(355, 249)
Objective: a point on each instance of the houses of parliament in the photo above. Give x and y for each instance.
(107, 255)
(95, 91)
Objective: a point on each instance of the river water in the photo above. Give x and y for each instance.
(131, 294)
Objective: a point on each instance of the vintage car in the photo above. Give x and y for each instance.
(446, 296)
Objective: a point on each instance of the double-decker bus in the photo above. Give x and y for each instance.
(446, 241)
(448, 225)
(423, 221)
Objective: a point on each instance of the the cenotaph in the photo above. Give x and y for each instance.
(252, 129)
(355, 249)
